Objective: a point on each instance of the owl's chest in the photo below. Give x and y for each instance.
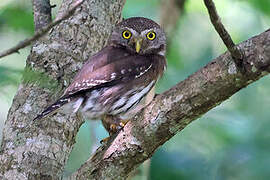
(119, 100)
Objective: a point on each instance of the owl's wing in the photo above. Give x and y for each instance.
(107, 68)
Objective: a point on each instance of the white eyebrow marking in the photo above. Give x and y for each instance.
(146, 31)
(135, 33)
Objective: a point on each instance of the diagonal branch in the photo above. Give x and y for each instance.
(41, 31)
(223, 33)
(173, 110)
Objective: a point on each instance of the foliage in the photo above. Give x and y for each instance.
(17, 18)
(263, 5)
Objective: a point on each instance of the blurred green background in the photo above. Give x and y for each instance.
(231, 142)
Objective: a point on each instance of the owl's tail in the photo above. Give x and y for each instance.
(52, 108)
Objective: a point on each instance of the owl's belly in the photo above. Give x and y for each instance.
(115, 100)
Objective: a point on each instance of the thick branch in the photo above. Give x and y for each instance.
(41, 30)
(173, 110)
(42, 13)
(223, 33)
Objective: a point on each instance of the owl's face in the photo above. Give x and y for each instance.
(139, 35)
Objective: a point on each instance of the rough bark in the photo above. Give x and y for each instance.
(40, 150)
(42, 13)
(173, 110)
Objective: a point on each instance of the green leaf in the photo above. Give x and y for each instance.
(17, 18)
(261, 5)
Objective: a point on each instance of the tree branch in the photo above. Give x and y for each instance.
(223, 33)
(173, 110)
(40, 27)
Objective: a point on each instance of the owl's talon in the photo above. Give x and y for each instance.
(105, 140)
(123, 123)
(113, 128)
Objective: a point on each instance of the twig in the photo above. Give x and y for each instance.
(223, 33)
(41, 31)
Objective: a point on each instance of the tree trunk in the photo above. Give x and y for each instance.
(40, 150)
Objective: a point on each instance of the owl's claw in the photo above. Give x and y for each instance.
(114, 128)
(123, 123)
(105, 140)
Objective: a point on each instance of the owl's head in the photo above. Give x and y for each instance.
(139, 35)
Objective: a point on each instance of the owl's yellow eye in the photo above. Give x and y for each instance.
(151, 35)
(126, 34)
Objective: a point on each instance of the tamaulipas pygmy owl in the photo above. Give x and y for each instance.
(119, 80)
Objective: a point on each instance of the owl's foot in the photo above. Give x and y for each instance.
(114, 128)
(123, 122)
(112, 125)
(106, 139)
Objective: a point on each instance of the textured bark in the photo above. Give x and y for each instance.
(173, 110)
(42, 13)
(40, 150)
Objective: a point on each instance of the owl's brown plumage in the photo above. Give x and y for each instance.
(119, 80)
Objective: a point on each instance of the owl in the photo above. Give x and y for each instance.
(119, 80)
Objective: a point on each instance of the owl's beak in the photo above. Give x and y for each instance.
(138, 44)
